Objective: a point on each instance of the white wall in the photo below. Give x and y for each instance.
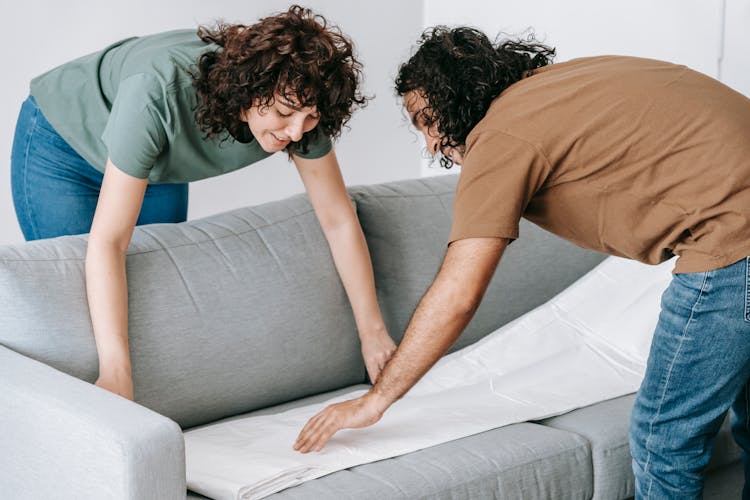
(40, 34)
(708, 35)
(683, 31)
(735, 70)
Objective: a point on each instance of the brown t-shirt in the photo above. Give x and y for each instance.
(632, 157)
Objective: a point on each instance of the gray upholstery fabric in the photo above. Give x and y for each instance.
(227, 314)
(245, 310)
(605, 426)
(407, 225)
(65, 439)
(522, 461)
(725, 482)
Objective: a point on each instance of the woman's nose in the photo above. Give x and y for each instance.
(294, 130)
(433, 145)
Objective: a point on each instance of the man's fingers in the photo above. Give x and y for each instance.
(328, 432)
(318, 436)
(308, 430)
(311, 423)
(324, 423)
(318, 439)
(320, 428)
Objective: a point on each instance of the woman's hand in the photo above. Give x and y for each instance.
(118, 382)
(377, 349)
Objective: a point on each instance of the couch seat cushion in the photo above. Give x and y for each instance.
(605, 426)
(524, 461)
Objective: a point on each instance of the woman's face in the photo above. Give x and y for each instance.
(276, 125)
(415, 103)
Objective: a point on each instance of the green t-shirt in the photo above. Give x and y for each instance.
(134, 102)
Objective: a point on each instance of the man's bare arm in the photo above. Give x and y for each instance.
(441, 316)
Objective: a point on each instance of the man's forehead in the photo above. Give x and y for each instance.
(415, 103)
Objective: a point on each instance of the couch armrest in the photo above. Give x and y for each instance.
(64, 438)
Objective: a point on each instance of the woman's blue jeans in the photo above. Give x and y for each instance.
(698, 368)
(55, 191)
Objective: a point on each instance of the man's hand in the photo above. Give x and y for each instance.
(376, 351)
(361, 412)
(441, 316)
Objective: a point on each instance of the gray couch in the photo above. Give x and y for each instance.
(242, 312)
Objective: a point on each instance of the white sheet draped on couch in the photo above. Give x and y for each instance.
(586, 345)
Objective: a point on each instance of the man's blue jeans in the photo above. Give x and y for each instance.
(698, 368)
(55, 191)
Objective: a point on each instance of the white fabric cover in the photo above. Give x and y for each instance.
(588, 344)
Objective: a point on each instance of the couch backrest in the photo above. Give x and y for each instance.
(407, 224)
(228, 314)
(244, 309)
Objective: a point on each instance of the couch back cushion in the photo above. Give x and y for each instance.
(407, 224)
(244, 309)
(227, 314)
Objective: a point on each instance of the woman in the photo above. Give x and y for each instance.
(129, 126)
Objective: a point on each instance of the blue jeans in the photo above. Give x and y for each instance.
(55, 191)
(698, 368)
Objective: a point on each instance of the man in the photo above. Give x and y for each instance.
(632, 157)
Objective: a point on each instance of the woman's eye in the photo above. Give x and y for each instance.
(283, 115)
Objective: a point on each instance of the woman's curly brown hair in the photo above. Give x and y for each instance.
(460, 71)
(295, 54)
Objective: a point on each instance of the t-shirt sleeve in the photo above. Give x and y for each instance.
(499, 176)
(319, 146)
(134, 134)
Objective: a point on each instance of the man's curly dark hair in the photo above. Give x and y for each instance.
(295, 54)
(460, 71)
